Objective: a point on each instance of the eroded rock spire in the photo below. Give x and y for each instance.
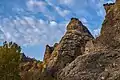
(70, 46)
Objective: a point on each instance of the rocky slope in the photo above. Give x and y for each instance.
(103, 63)
(78, 56)
(30, 68)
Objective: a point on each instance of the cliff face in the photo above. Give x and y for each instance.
(78, 56)
(111, 26)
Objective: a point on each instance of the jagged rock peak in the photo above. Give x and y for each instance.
(76, 25)
(110, 30)
(70, 46)
(48, 53)
(108, 6)
(48, 48)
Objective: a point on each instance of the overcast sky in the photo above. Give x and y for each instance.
(35, 23)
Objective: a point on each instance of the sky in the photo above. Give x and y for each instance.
(35, 23)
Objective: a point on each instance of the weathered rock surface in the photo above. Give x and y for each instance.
(103, 60)
(48, 53)
(111, 26)
(95, 66)
(71, 45)
(30, 68)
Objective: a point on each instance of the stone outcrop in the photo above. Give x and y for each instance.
(48, 53)
(108, 6)
(30, 68)
(71, 45)
(95, 66)
(111, 27)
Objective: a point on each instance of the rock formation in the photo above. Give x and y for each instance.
(102, 64)
(111, 26)
(70, 46)
(30, 68)
(48, 53)
(78, 56)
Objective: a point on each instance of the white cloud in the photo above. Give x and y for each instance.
(66, 2)
(40, 5)
(32, 31)
(62, 12)
(101, 13)
(96, 32)
(83, 20)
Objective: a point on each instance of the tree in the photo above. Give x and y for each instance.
(9, 61)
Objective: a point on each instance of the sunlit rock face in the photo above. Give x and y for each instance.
(70, 46)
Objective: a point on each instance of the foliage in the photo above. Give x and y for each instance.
(9, 61)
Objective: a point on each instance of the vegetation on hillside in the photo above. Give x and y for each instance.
(9, 61)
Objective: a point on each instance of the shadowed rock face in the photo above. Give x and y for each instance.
(111, 27)
(108, 6)
(48, 53)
